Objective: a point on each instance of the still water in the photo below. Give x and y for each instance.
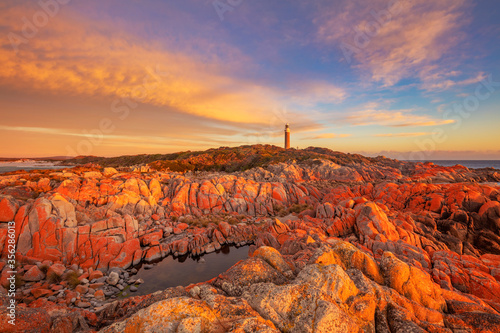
(182, 271)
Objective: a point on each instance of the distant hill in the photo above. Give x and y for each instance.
(231, 159)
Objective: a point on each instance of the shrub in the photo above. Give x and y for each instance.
(53, 278)
(44, 269)
(72, 278)
(19, 282)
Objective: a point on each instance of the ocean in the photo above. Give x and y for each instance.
(28, 165)
(471, 164)
(37, 165)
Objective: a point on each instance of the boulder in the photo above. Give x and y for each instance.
(8, 208)
(246, 273)
(113, 279)
(273, 258)
(190, 315)
(372, 222)
(299, 308)
(108, 172)
(57, 269)
(33, 274)
(65, 210)
(331, 280)
(411, 282)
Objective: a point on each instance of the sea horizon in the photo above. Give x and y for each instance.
(30, 164)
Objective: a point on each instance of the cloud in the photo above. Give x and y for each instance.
(406, 40)
(275, 128)
(100, 140)
(198, 76)
(392, 118)
(310, 93)
(390, 135)
(438, 82)
(327, 136)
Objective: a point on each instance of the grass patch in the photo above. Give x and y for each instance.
(44, 269)
(53, 278)
(280, 210)
(296, 208)
(205, 220)
(72, 278)
(19, 282)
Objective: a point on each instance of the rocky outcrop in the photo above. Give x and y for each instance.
(358, 247)
(320, 298)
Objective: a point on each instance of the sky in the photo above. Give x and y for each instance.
(407, 79)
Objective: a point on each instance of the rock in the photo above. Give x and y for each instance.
(166, 315)
(108, 172)
(27, 320)
(99, 295)
(92, 174)
(273, 258)
(490, 215)
(225, 228)
(8, 208)
(331, 280)
(57, 269)
(113, 279)
(97, 274)
(82, 289)
(474, 322)
(245, 273)
(82, 304)
(300, 278)
(33, 274)
(412, 282)
(373, 223)
(348, 256)
(299, 308)
(65, 210)
(41, 292)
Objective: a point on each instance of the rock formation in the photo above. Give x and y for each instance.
(381, 246)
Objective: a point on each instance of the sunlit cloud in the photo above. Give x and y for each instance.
(120, 140)
(276, 129)
(391, 135)
(327, 136)
(67, 132)
(105, 62)
(392, 118)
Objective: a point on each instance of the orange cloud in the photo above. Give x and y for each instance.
(327, 136)
(390, 135)
(392, 118)
(71, 56)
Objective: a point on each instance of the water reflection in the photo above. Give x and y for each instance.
(184, 270)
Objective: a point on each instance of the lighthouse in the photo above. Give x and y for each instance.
(287, 136)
